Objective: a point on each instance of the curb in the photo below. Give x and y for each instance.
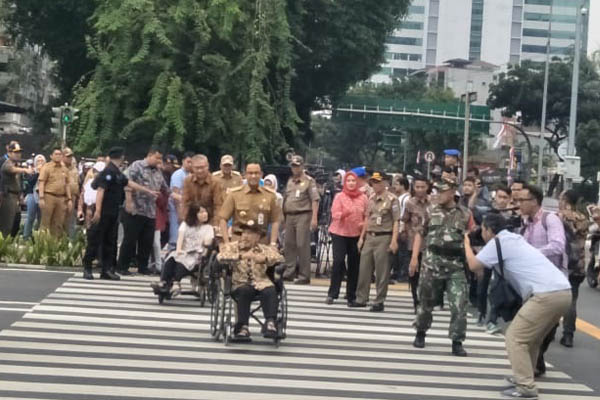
(42, 267)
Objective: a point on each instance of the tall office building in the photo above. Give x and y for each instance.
(495, 31)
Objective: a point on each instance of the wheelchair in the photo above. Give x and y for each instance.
(199, 279)
(223, 311)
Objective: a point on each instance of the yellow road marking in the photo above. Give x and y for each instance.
(588, 328)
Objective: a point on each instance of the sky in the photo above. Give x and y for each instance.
(594, 29)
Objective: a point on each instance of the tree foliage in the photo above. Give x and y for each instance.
(189, 76)
(522, 87)
(204, 72)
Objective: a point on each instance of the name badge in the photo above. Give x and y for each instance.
(298, 193)
(261, 219)
(379, 220)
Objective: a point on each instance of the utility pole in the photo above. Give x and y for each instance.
(545, 99)
(467, 127)
(575, 87)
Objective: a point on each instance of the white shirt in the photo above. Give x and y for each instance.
(526, 269)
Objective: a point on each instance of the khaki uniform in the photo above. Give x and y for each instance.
(56, 178)
(382, 212)
(227, 183)
(244, 204)
(9, 207)
(297, 207)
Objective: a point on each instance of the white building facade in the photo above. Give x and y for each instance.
(498, 32)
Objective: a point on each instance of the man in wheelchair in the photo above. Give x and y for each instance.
(251, 262)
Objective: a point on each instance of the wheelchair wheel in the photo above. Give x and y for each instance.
(215, 310)
(227, 316)
(161, 298)
(282, 316)
(202, 295)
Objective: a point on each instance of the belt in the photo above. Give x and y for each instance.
(379, 233)
(56, 195)
(297, 212)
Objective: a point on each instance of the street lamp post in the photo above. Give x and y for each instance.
(545, 98)
(575, 86)
(467, 126)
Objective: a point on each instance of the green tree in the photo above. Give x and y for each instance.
(521, 89)
(189, 76)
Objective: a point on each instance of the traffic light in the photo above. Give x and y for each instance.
(69, 115)
(57, 121)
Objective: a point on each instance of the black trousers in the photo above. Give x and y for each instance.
(138, 232)
(173, 271)
(401, 261)
(413, 282)
(483, 284)
(244, 296)
(102, 242)
(343, 247)
(571, 315)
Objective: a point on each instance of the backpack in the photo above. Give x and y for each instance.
(573, 252)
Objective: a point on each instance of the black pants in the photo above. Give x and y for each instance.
(16, 223)
(173, 271)
(541, 364)
(343, 246)
(244, 296)
(571, 315)
(413, 282)
(138, 231)
(483, 284)
(102, 242)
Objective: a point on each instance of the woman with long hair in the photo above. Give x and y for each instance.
(347, 219)
(195, 234)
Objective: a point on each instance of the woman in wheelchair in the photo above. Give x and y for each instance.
(195, 234)
(250, 261)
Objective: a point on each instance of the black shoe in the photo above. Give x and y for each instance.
(111, 276)
(299, 281)
(419, 341)
(458, 350)
(87, 274)
(567, 340)
(124, 272)
(354, 304)
(481, 320)
(144, 271)
(329, 300)
(376, 307)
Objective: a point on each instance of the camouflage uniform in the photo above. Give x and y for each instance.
(248, 271)
(443, 265)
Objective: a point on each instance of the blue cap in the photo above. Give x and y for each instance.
(452, 152)
(360, 171)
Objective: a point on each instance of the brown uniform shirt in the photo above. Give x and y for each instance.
(382, 212)
(246, 270)
(414, 216)
(234, 181)
(56, 178)
(245, 204)
(74, 181)
(300, 193)
(207, 194)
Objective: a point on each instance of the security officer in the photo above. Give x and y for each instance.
(227, 177)
(300, 207)
(443, 230)
(55, 194)
(380, 238)
(11, 188)
(452, 161)
(102, 234)
(250, 202)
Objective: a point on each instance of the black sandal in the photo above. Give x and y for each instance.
(243, 335)
(270, 330)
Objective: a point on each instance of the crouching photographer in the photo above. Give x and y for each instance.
(523, 272)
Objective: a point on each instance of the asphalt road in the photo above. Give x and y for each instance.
(21, 290)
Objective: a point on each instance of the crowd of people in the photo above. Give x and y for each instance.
(444, 235)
